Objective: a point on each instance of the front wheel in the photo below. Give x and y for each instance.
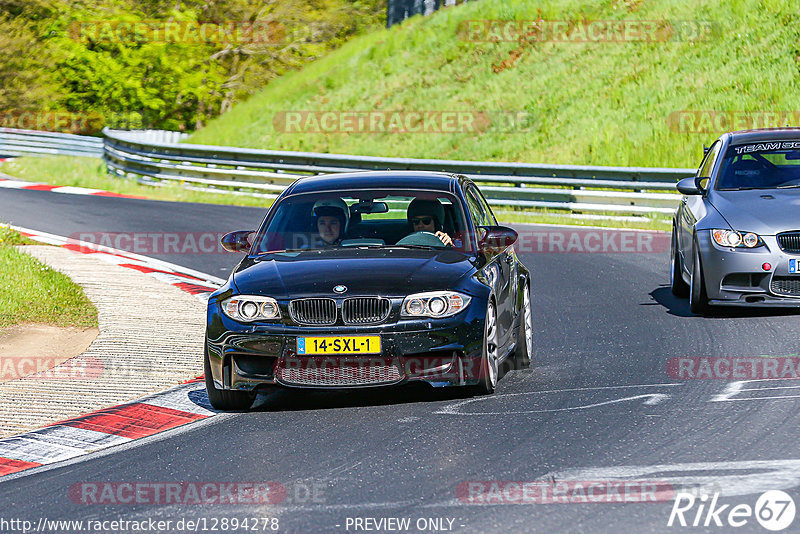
(524, 351)
(698, 298)
(221, 399)
(678, 285)
(489, 366)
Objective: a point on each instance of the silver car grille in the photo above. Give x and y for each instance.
(313, 311)
(788, 286)
(789, 241)
(365, 310)
(340, 375)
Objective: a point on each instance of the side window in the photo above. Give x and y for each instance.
(708, 162)
(476, 209)
(703, 163)
(488, 210)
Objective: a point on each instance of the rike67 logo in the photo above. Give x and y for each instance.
(774, 510)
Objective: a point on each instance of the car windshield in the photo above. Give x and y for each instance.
(365, 219)
(766, 165)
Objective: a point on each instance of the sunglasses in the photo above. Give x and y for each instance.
(421, 220)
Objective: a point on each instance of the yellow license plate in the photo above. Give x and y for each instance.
(339, 345)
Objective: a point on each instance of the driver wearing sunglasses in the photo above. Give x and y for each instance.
(428, 216)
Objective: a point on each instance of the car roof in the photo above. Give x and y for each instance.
(764, 134)
(437, 181)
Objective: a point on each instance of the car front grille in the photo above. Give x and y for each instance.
(365, 310)
(788, 286)
(313, 311)
(334, 372)
(789, 241)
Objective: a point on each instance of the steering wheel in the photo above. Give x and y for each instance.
(425, 239)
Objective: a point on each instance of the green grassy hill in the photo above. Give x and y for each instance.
(604, 103)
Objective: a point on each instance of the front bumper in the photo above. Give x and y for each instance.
(735, 276)
(441, 352)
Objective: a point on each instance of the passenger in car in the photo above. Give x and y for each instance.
(331, 219)
(428, 216)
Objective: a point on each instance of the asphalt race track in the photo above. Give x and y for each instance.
(597, 405)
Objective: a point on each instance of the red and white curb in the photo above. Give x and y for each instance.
(198, 284)
(120, 424)
(104, 428)
(10, 183)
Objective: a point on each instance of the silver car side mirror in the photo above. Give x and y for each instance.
(689, 186)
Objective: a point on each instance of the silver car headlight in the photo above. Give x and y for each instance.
(734, 239)
(434, 304)
(249, 308)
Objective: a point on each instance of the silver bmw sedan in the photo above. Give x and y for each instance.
(736, 231)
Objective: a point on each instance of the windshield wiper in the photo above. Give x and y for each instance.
(418, 247)
(792, 186)
(281, 251)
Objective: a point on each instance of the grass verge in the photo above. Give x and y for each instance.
(547, 217)
(35, 293)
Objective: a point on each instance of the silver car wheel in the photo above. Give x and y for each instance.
(526, 302)
(491, 344)
(672, 266)
(677, 284)
(698, 299)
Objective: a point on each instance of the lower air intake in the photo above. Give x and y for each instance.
(329, 372)
(786, 286)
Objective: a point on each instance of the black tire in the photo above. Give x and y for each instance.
(222, 399)
(678, 285)
(523, 354)
(487, 385)
(698, 298)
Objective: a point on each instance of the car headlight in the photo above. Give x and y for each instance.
(434, 304)
(732, 238)
(247, 308)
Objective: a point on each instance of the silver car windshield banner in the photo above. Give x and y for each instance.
(768, 146)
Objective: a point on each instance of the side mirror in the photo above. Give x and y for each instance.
(689, 186)
(496, 239)
(236, 241)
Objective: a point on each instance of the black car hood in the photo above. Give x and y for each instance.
(763, 211)
(385, 272)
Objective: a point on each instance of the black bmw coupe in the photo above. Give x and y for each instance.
(369, 279)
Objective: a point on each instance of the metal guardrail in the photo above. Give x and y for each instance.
(15, 142)
(156, 157)
(152, 136)
(619, 190)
